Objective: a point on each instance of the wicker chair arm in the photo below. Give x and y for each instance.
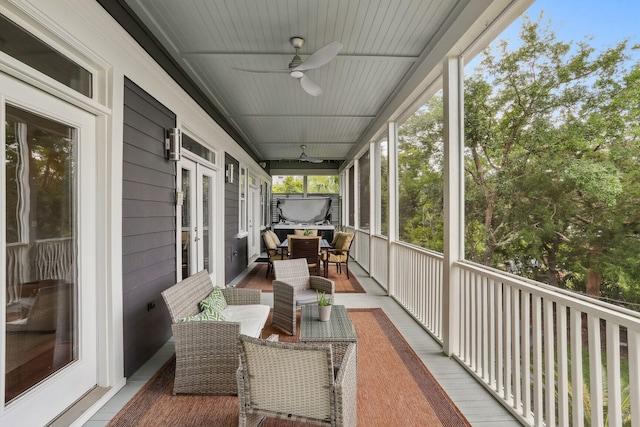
(241, 296)
(284, 306)
(322, 284)
(285, 291)
(206, 357)
(346, 387)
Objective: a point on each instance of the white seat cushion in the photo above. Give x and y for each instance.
(306, 296)
(252, 317)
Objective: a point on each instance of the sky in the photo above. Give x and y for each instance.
(607, 21)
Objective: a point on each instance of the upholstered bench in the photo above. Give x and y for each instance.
(207, 350)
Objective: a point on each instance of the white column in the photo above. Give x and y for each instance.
(373, 201)
(453, 89)
(392, 146)
(356, 195)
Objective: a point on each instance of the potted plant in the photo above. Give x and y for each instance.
(324, 306)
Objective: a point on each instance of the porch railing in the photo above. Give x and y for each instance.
(418, 285)
(552, 357)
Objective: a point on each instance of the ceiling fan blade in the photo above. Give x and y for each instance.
(320, 57)
(310, 86)
(261, 71)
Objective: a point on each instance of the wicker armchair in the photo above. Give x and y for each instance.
(294, 287)
(296, 382)
(206, 351)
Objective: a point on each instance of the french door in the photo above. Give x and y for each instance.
(48, 232)
(197, 232)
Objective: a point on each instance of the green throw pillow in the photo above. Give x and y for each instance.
(214, 301)
(205, 315)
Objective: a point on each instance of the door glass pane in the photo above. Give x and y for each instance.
(40, 243)
(186, 223)
(206, 200)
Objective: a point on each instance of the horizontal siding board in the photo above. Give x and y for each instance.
(140, 226)
(143, 208)
(148, 276)
(153, 111)
(135, 138)
(137, 120)
(147, 192)
(135, 244)
(140, 260)
(149, 159)
(134, 173)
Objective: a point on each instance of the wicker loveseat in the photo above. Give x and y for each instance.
(207, 350)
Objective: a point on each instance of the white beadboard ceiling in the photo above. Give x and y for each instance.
(391, 50)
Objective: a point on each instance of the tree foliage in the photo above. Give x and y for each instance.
(552, 135)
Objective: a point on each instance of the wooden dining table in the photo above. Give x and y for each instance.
(324, 246)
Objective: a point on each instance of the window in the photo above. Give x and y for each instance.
(193, 146)
(26, 48)
(323, 184)
(382, 201)
(288, 185)
(364, 192)
(420, 177)
(351, 198)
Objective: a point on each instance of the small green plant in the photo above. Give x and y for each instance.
(323, 301)
(307, 232)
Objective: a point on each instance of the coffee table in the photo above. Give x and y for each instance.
(338, 331)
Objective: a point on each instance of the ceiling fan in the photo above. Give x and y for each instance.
(297, 66)
(303, 156)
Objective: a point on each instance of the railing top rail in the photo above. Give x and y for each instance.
(583, 303)
(424, 251)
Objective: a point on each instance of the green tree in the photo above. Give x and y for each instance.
(323, 184)
(420, 156)
(545, 126)
(290, 184)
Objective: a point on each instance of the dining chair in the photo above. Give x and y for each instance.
(306, 247)
(339, 252)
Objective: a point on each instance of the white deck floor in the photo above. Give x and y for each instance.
(475, 402)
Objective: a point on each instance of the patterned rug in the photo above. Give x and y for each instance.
(394, 388)
(257, 279)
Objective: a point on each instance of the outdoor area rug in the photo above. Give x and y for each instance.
(256, 279)
(394, 388)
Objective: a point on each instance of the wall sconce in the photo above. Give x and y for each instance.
(173, 144)
(228, 174)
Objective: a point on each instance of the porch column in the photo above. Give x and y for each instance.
(392, 147)
(373, 200)
(356, 197)
(453, 91)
